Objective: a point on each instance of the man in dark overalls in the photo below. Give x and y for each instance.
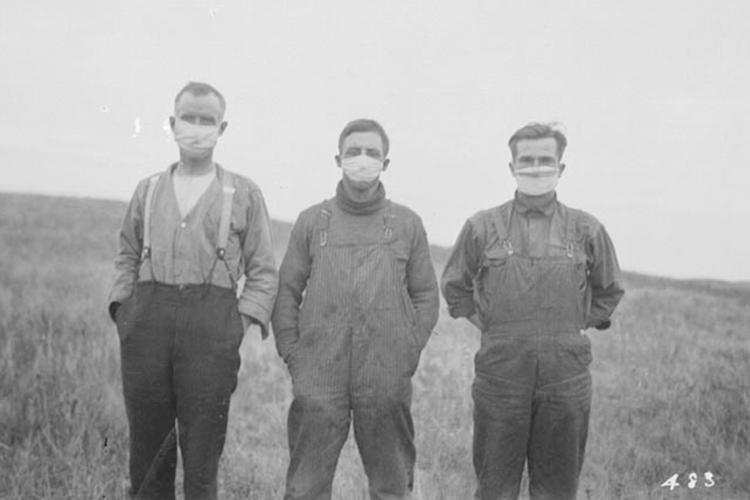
(532, 275)
(189, 235)
(358, 299)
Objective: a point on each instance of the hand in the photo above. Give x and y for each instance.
(247, 323)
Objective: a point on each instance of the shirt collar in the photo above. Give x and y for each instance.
(544, 204)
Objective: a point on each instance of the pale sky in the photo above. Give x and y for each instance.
(655, 97)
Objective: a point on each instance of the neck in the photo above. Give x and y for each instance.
(359, 195)
(536, 201)
(363, 205)
(195, 166)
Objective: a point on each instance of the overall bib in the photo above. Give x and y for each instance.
(532, 390)
(179, 347)
(356, 353)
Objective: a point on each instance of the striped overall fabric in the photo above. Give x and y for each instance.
(357, 349)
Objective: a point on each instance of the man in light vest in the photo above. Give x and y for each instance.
(358, 299)
(532, 275)
(189, 236)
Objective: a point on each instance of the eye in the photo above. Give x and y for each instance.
(373, 153)
(352, 151)
(525, 160)
(207, 120)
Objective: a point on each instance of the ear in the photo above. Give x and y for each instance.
(171, 122)
(562, 168)
(222, 127)
(386, 162)
(338, 160)
(510, 167)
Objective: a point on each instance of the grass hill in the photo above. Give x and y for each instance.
(671, 381)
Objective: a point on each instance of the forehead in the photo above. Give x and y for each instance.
(204, 105)
(370, 140)
(546, 146)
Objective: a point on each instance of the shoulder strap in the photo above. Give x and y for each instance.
(501, 222)
(146, 252)
(324, 221)
(388, 222)
(570, 233)
(226, 213)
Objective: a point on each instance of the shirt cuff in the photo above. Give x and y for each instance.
(256, 313)
(598, 323)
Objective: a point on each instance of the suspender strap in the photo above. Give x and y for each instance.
(227, 188)
(502, 227)
(324, 222)
(570, 234)
(388, 222)
(226, 214)
(146, 252)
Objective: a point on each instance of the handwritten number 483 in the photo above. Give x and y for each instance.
(708, 480)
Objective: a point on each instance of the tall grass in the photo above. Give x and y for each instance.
(671, 382)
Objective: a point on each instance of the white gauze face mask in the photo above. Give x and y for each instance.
(195, 139)
(361, 168)
(535, 181)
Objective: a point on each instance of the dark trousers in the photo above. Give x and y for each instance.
(547, 426)
(179, 354)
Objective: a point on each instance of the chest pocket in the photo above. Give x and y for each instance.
(211, 224)
(492, 272)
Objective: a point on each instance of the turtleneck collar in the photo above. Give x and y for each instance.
(544, 204)
(360, 207)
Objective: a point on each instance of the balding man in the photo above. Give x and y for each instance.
(189, 235)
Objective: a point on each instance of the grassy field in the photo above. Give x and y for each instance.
(671, 382)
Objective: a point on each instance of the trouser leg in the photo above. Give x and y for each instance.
(317, 429)
(384, 431)
(146, 337)
(209, 332)
(502, 415)
(558, 438)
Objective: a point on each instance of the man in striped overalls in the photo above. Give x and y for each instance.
(358, 299)
(190, 235)
(532, 275)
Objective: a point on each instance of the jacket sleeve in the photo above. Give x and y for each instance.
(422, 284)
(605, 279)
(130, 244)
(261, 278)
(460, 270)
(293, 276)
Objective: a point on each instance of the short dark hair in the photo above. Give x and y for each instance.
(200, 88)
(364, 125)
(539, 131)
